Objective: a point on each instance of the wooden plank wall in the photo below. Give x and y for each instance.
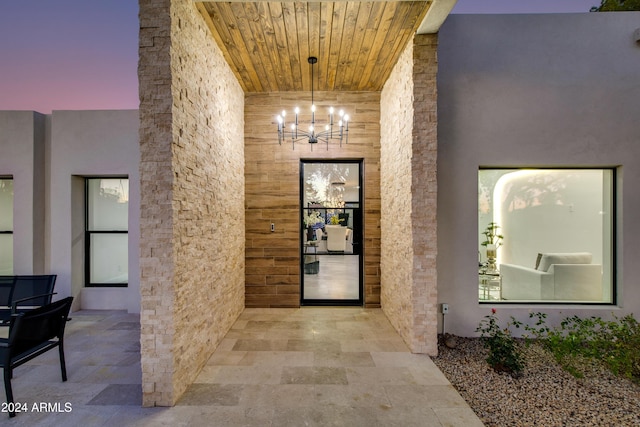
(272, 193)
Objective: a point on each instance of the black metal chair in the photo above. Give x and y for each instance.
(6, 290)
(31, 334)
(37, 290)
(19, 294)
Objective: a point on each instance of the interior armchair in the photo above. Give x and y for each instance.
(336, 237)
(321, 241)
(557, 277)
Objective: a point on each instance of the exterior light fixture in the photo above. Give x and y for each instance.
(312, 135)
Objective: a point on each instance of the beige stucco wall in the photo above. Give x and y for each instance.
(408, 195)
(83, 144)
(192, 197)
(558, 90)
(273, 194)
(22, 145)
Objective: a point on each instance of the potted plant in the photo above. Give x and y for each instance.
(492, 242)
(335, 220)
(311, 220)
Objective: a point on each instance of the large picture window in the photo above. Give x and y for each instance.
(106, 237)
(6, 226)
(546, 235)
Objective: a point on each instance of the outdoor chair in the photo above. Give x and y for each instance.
(6, 289)
(19, 294)
(30, 335)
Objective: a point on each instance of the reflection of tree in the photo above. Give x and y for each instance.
(538, 189)
(6, 204)
(487, 179)
(6, 186)
(318, 188)
(114, 190)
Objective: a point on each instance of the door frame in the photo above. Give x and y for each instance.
(334, 302)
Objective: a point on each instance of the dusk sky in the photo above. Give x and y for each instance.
(82, 54)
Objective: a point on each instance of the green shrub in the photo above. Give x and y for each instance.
(504, 354)
(615, 343)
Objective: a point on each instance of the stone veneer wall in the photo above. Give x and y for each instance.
(192, 197)
(272, 177)
(409, 195)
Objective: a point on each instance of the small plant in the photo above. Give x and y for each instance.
(576, 340)
(336, 220)
(312, 218)
(504, 354)
(491, 235)
(623, 338)
(539, 330)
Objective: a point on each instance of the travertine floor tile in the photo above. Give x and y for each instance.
(441, 396)
(315, 366)
(280, 395)
(358, 395)
(457, 417)
(211, 395)
(338, 358)
(314, 375)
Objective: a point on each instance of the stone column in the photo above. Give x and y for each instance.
(192, 197)
(424, 192)
(408, 195)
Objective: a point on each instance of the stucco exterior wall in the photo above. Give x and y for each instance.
(192, 197)
(534, 90)
(22, 144)
(273, 195)
(85, 144)
(408, 195)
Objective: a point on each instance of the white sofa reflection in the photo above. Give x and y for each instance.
(558, 277)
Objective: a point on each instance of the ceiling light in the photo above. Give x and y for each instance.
(295, 133)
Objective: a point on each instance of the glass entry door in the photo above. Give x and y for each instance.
(331, 232)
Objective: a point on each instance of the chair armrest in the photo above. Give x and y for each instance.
(14, 305)
(523, 283)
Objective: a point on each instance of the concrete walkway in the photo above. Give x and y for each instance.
(276, 367)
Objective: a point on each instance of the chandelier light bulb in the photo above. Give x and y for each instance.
(330, 110)
(346, 117)
(280, 119)
(341, 113)
(311, 128)
(313, 108)
(297, 110)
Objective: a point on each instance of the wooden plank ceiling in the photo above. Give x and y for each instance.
(357, 43)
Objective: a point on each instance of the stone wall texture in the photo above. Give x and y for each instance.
(192, 197)
(272, 177)
(408, 195)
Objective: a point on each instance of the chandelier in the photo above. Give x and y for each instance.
(295, 134)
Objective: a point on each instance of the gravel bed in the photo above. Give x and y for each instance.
(545, 394)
